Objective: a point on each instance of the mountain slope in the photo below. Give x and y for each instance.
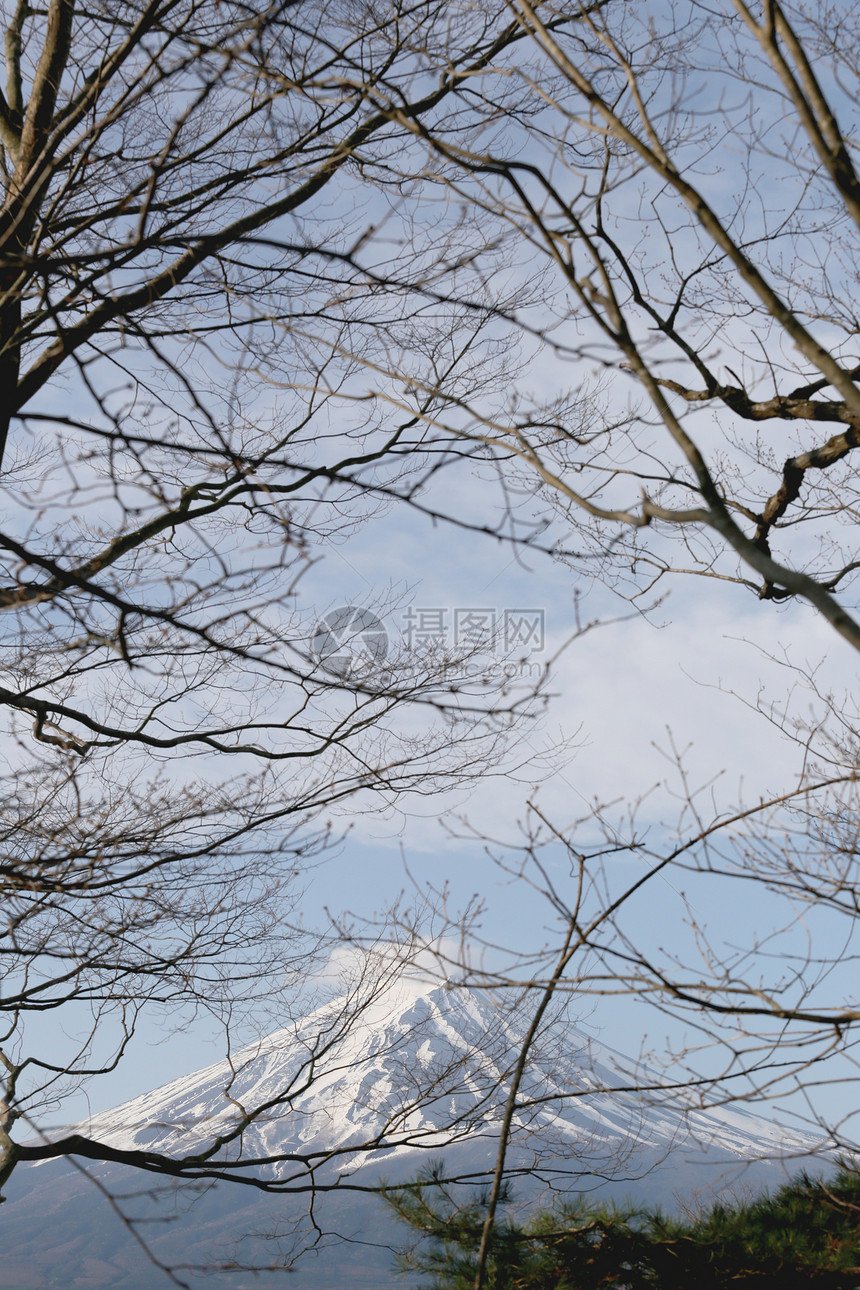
(424, 1059)
(427, 1064)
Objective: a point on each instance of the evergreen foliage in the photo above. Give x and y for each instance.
(807, 1233)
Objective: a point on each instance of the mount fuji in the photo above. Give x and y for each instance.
(422, 1073)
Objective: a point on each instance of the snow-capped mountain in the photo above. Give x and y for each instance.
(421, 1071)
(421, 1064)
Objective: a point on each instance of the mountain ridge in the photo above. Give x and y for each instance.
(428, 1063)
(420, 1036)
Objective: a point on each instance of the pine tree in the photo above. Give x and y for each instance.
(808, 1232)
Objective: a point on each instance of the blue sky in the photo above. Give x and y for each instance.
(691, 673)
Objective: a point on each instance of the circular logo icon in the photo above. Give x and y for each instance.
(349, 641)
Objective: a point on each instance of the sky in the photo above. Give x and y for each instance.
(689, 675)
(694, 676)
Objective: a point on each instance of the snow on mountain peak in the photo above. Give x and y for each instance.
(419, 1064)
